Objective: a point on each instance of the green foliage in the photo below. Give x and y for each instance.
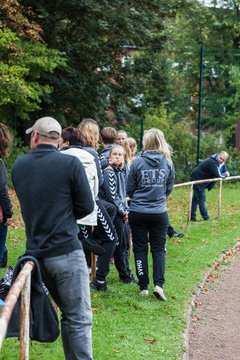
(95, 36)
(22, 65)
(217, 30)
(179, 136)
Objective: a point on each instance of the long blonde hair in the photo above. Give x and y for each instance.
(89, 133)
(154, 139)
(127, 151)
(5, 140)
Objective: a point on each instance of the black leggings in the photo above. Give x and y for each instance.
(149, 228)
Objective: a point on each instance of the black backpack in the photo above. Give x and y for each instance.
(44, 325)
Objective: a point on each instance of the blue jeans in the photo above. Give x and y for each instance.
(67, 279)
(3, 236)
(199, 198)
(149, 228)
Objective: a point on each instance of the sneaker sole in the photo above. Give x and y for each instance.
(158, 296)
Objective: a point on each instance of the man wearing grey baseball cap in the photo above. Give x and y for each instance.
(53, 192)
(47, 127)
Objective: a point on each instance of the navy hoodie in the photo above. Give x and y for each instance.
(150, 181)
(114, 188)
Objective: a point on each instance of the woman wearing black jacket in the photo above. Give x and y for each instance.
(114, 191)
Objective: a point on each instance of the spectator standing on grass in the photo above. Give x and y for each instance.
(114, 191)
(150, 182)
(104, 233)
(121, 137)
(69, 144)
(133, 147)
(108, 137)
(210, 168)
(5, 202)
(53, 192)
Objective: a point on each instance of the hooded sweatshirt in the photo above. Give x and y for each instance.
(150, 182)
(114, 188)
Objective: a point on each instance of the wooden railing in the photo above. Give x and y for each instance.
(21, 285)
(191, 183)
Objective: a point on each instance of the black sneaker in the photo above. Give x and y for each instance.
(195, 220)
(99, 286)
(177, 234)
(93, 246)
(128, 279)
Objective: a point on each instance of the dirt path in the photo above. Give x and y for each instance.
(214, 332)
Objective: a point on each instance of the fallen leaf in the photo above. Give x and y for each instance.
(150, 341)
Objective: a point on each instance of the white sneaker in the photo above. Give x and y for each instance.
(144, 292)
(158, 292)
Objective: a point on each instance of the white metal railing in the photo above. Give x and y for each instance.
(191, 183)
(21, 285)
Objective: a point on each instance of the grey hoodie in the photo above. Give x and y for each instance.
(150, 181)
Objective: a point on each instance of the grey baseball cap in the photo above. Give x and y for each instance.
(48, 127)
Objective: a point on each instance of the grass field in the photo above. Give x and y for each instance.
(127, 326)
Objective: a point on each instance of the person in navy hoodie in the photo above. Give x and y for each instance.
(114, 191)
(210, 168)
(150, 182)
(53, 192)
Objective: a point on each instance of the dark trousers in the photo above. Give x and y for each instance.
(121, 252)
(170, 231)
(103, 261)
(149, 228)
(199, 199)
(3, 236)
(105, 234)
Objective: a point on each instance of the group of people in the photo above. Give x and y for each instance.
(75, 201)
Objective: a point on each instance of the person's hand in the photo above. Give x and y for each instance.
(125, 218)
(227, 173)
(8, 222)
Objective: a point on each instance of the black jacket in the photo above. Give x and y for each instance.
(44, 326)
(53, 191)
(207, 169)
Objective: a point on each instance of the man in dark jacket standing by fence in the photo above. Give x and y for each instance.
(53, 192)
(208, 169)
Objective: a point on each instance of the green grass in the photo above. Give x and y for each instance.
(127, 326)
